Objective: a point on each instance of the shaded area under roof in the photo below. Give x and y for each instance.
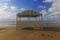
(29, 13)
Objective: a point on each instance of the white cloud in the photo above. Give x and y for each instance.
(55, 10)
(47, 0)
(7, 15)
(13, 8)
(41, 6)
(7, 12)
(44, 13)
(22, 9)
(7, 0)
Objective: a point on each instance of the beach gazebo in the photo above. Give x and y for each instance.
(28, 18)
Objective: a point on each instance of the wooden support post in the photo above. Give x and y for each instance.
(39, 20)
(16, 22)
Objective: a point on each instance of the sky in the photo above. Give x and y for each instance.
(49, 8)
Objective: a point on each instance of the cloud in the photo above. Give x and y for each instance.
(7, 15)
(47, 0)
(7, 12)
(13, 8)
(41, 6)
(22, 9)
(7, 0)
(55, 10)
(44, 13)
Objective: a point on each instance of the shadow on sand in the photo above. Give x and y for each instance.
(2, 28)
(56, 29)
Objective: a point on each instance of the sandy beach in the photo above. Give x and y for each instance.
(8, 34)
(11, 33)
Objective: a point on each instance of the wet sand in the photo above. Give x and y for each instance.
(12, 34)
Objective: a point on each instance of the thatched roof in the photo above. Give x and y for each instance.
(29, 13)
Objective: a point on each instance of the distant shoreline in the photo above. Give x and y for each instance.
(5, 26)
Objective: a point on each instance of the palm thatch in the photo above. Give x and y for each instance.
(29, 13)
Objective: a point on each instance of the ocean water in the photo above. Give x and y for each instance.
(51, 21)
(13, 23)
(7, 24)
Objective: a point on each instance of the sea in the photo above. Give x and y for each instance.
(8, 24)
(13, 23)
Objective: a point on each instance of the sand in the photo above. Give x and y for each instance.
(8, 34)
(38, 35)
(12, 34)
